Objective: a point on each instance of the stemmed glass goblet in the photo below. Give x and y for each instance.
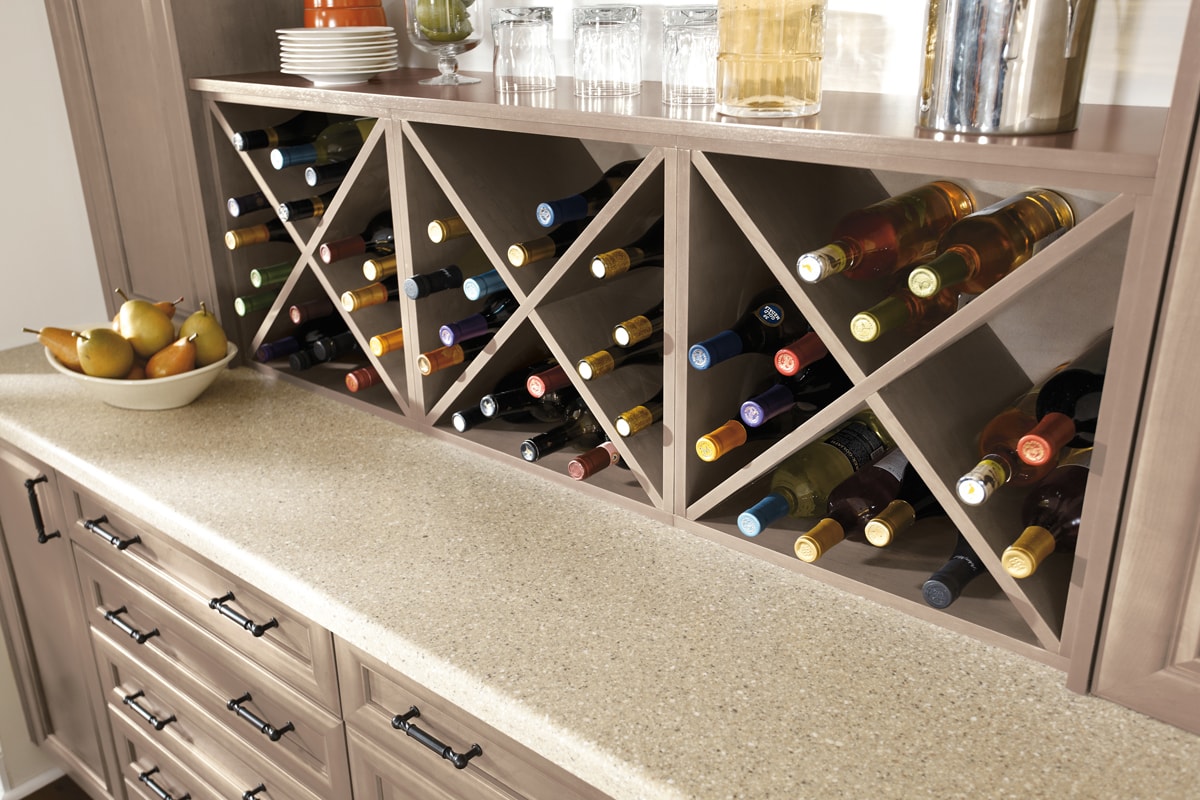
(445, 28)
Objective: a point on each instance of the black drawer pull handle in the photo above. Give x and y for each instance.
(93, 525)
(218, 604)
(250, 794)
(126, 628)
(266, 728)
(39, 524)
(154, 722)
(401, 723)
(158, 790)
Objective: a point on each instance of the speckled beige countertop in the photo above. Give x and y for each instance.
(648, 661)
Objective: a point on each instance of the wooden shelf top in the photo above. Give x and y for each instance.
(1115, 148)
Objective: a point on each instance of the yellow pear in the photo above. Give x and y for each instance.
(61, 344)
(103, 353)
(145, 325)
(210, 336)
(175, 358)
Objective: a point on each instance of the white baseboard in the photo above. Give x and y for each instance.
(30, 786)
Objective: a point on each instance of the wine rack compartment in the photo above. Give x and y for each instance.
(723, 219)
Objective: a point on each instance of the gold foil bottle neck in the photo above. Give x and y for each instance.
(611, 263)
(715, 444)
(595, 365)
(441, 230)
(895, 517)
(370, 295)
(387, 342)
(376, 269)
(632, 331)
(242, 237)
(523, 253)
(634, 420)
(434, 360)
(1021, 559)
(816, 543)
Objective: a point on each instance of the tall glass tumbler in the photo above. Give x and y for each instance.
(689, 57)
(608, 51)
(769, 57)
(523, 58)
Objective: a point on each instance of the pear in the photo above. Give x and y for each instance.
(103, 353)
(168, 306)
(175, 358)
(61, 345)
(210, 336)
(145, 325)
(137, 372)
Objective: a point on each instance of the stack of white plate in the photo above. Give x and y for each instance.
(338, 56)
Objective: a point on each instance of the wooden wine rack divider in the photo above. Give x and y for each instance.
(741, 201)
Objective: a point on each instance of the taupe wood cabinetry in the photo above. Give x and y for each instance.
(44, 625)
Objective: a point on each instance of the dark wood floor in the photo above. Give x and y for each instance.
(61, 789)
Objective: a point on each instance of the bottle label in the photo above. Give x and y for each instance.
(858, 443)
(894, 463)
(770, 314)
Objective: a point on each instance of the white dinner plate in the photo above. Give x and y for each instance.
(343, 42)
(374, 69)
(335, 33)
(337, 79)
(350, 48)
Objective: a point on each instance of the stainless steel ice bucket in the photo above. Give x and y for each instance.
(1004, 66)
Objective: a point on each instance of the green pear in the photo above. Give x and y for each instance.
(210, 336)
(103, 353)
(145, 325)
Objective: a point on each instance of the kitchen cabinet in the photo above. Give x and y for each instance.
(44, 625)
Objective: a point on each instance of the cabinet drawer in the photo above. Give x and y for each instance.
(138, 755)
(146, 701)
(373, 693)
(296, 649)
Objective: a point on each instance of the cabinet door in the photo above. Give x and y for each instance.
(43, 620)
(1149, 655)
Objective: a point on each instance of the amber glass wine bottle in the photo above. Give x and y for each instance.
(982, 248)
(552, 245)
(1000, 464)
(801, 484)
(588, 202)
(1068, 406)
(885, 237)
(339, 141)
(645, 251)
(946, 585)
(769, 321)
(1050, 514)
(298, 129)
(852, 504)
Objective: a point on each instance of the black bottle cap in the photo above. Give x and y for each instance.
(945, 585)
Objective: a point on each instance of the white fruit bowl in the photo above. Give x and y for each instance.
(151, 394)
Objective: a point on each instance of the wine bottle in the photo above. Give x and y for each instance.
(310, 207)
(1000, 465)
(284, 346)
(944, 586)
(552, 379)
(447, 228)
(602, 362)
(885, 237)
(256, 301)
(510, 397)
(444, 357)
(482, 285)
(372, 294)
(318, 174)
(589, 462)
(800, 354)
(851, 505)
(306, 310)
(903, 311)
(552, 245)
(639, 328)
(272, 276)
(466, 418)
(362, 378)
(579, 427)
(1068, 404)
(303, 127)
(735, 432)
(1050, 514)
(390, 342)
(914, 502)
(640, 417)
(982, 248)
(377, 238)
(498, 310)
(323, 350)
(645, 251)
(428, 283)
(588, 202)
(380, 267)
(272, 230)
(340, 141)
(247, 204)
(770, 321)
(801, 484)
(812, 389)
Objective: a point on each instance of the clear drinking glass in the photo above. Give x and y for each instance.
(689, 57)
(608, 51)
(769, 57)
(444, 28)
(523, 59)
